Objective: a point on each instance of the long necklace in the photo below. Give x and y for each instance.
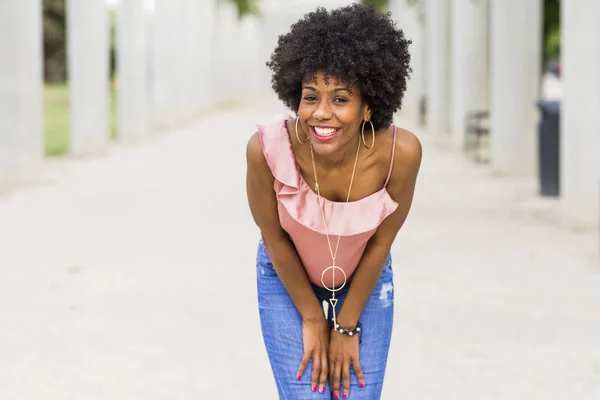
(333, 300)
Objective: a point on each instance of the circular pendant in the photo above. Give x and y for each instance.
(333, 268)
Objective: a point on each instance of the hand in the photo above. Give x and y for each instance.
(315, 337)
(343, 353)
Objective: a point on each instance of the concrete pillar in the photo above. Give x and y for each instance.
(580, 116)
(268, 31)
(132, 70)
(21, 117)
(468, 63)
(88, 61)
(187, 42)
(227, 77)
(183, 86)
(164, 61)
(204, 49)
(515, 82)
(437, 25)
(409, 20)
(249, 48)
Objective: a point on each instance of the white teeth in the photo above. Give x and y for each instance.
(325, 131)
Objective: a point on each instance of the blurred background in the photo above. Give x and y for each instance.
(126, 245)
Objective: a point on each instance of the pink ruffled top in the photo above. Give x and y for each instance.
(300, 217)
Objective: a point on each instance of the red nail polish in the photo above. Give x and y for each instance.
(299, 377)
(322, 390)
(336, 396)
(345, 395)
(362, 385)
(315, 388)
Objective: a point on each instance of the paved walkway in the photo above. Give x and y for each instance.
(131, 276)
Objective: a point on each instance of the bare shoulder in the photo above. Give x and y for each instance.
(255, 158)
(254, 153)
(408, 149)
(407, 159)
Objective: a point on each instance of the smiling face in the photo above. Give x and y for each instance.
(331, 113)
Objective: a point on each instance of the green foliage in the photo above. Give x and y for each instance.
(55, 51)
(246, 7)
(381, 5)
(551, 29)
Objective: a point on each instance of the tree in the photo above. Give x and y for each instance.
(55, 38)
(381, 5)
(551, 29)
(246, 7)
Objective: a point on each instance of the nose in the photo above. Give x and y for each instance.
(323, 111)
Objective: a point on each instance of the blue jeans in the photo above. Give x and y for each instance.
(282, 333)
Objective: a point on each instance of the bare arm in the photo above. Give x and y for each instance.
(263, 205)
(287, 264)
(401, 188)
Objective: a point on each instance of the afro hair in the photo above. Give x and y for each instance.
(355, 45)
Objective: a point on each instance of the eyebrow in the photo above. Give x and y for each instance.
(333, 90)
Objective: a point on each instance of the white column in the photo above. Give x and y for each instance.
(176, 29)
(437, 23)
(164, 59)
(409, 20)
(468, 63)
(515, 82)
(21, 117)
(580, 113)
(183, 65)
(268, 31)
(204, 47)
(249, 49)
(88, 60)
(132, 71)
(226, 75)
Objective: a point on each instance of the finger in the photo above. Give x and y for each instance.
(302, 366)
(330, 374)
(346, 379)
(360, 377)
(324, 373)
(337, 372)
(316, 368)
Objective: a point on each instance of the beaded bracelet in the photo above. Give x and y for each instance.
(348, 332)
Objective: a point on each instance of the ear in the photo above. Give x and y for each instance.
(366, 113)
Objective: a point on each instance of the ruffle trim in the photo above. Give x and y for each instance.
(302, 203)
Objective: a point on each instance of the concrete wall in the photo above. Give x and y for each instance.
(88, 60)
(409, 20)
(580, 114)
(468, 63)
(437, 23)
(516, 29)
(132, 59)
(21, 134)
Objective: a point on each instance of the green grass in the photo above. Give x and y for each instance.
(56, 118)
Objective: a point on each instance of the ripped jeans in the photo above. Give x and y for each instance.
(281, 325)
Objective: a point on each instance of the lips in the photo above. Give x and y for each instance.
(324, 133)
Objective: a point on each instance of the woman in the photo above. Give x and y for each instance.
(329, 190)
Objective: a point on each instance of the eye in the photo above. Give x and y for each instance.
(340, 100)
(310, 97)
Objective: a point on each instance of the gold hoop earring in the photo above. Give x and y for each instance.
(363, 135)
(298, 136)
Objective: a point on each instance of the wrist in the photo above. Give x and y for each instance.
(313, 316)
(348, 331)
(347, 322)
